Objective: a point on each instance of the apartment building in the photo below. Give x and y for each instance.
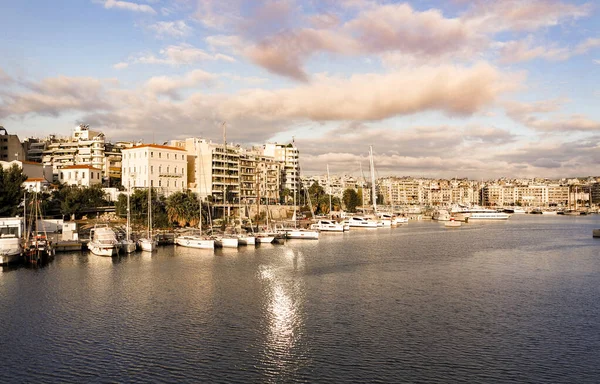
(157, 166)
(288, 156)
(10, 146)
(80, 175)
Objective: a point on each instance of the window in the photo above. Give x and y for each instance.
(159, 182)
(152, 169)
(175, 171)
(146, 154)
(167, 169)
(175, 156)
(159, 155)
(175, 183)
(152, 183)
(167, 155)
(92, 175)
(159, 168)
(151, 154)
(167, 183)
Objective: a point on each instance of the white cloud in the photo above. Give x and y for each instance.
(121, 65)
(176, 28)
(182, 54)
(529, 49)
(130, 6)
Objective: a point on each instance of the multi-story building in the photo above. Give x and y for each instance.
(558, 195)
(84, 147)
(288, 156)
(34, 149)
(157, 166)
(80, 175)
(10, 147)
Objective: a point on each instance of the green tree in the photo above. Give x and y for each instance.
(183, 208)
(76, 200)
(351, 200)
(11, 190)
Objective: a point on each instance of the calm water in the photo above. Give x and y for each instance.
(516, 301)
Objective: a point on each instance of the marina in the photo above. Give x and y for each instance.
(494, 301)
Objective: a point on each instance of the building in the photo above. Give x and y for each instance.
(288, 156)
(84, 147)
(80, 175)
(157, 166)
(10, 147)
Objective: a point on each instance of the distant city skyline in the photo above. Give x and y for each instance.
(441, 89)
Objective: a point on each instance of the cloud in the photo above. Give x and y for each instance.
(524, 113)
(516, 15)
(170, 86)
(5, 78)
(182, 54)
(121, 65)
(130, 6)
(55, 96)
(176, 28)
(528, 49)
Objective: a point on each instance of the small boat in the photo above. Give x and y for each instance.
(246, 239)
(103, 241)
(226, 241)
(327, 226)
(452, 223)
(399, 220)
(149, 243)
(195, 241)
(11, 233)
(361, 222)
(299, 233)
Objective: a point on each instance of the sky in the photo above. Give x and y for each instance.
(477, 89)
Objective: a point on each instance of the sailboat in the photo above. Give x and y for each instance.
(298, 233)
(265, 236)
(329, 225)
(226, 240)
(149, 243)
(196, 239)
(38, 248)
(127, 245)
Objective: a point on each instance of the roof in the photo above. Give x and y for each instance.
(32, 163)
(154, 146)
(81, 167)
(34, 180)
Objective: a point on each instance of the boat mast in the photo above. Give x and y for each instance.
(128, 210)
(374, 193)
(149, 213)
(329, 188)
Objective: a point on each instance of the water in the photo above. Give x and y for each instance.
(513, 301)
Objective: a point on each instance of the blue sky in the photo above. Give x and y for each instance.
(477, 89)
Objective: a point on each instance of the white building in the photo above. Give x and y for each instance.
(158, 166)
(80, 175)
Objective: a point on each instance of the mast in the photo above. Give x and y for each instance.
(149, 213)
(329, 188)
(128, 210)
(374, 193)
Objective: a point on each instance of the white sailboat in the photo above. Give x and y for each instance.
(196, 239)
(149, 243)
(264, 237)
(127, 245)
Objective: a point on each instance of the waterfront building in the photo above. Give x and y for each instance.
(288, 156)
(158, 166)
(10, 146)
(80, 175)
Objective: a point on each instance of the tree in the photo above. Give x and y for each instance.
(76, 200)
(351, 200)
(11, 190)
(183, 208)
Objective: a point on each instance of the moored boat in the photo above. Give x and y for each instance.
(103, 241)
(11, 233)
(324, 225)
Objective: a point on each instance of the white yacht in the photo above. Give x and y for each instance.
(103, 241)
(480, 213)
(324, 225)
(193, 240)
(11, 233)
(226, 240)
(361, 222)
(246, 239)
(386, 219)
(398, 220)
(299, 233)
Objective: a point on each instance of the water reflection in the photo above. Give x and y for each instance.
(284, 302)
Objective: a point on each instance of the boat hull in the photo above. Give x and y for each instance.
(127, 246)
(247, 240)
(102, 250)
(226, 242)
(148, 245)
(301, 234)
(195, 242)
(264, 239)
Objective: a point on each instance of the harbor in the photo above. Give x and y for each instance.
(506, 295)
